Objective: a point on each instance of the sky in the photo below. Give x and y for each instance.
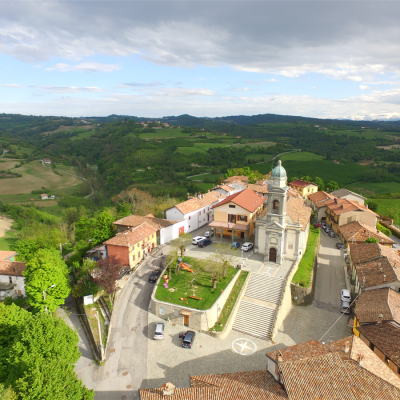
(324, 59)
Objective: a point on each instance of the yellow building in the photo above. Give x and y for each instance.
(303, 187)
(235, 216)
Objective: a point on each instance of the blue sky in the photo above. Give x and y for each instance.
(328, 59)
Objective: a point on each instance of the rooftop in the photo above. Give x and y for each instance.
(371, 303)
(340, 206)
(7, 255)
(200, 201)
(135, 220)
(132, 235)
(319, 198)
(298, 211)
(345, 192)
(237, 178)
(258, 188)
(301, 183)
(247, 199)
(359, 231)
(386, 337)
(12, 268)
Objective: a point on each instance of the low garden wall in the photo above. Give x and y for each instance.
(200, 320)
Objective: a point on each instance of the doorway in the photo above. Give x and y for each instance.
(242, 235)
(272, 254)
(186, 320)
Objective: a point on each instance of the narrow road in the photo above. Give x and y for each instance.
(125, 369)
(4, 152)
(330, 275)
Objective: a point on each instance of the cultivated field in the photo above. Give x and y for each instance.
(379, 188)
(7, 163)
(386, 204)
(34, 177)
(256, 144)
(199, 148)
(300, 156)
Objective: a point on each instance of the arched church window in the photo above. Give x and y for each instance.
(275, 205)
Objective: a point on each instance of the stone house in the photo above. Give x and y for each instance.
(12, 281)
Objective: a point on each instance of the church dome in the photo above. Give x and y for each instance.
(279, 171)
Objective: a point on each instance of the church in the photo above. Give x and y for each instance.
(281, 229)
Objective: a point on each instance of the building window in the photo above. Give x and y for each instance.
(230, 231)
(243, 218)
(290, 246)
(204, 211)
(232, 206)
(189, 216)
(275, 205)
(162, 311)
(133, 257)
(10, 279)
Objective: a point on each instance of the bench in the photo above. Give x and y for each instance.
(195, 297)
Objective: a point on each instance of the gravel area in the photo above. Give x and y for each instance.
(169, 362)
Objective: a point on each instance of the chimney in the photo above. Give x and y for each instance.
(346, 347)
(380, 318)
(280, 358)
(199, 195)
(366, 206)
(168, 389)
(335, 200)
(360, 359)
(384, 277)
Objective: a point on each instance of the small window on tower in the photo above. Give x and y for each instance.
(275, 204)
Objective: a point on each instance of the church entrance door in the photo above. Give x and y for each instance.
(272, 254)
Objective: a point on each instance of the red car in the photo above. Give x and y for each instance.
(317, 225)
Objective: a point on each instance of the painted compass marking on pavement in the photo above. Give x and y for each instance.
(244, 347)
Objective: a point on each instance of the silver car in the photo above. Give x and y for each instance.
(198, 239)
(159, 331)
(247, 246)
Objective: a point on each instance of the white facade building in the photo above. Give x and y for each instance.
(12, 281)
(282, 228)
(196, 211)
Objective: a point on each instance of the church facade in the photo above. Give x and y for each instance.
(281, 230)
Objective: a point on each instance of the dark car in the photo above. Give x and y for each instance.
(154, 275)
(205, 243)
(339, 246)
(187, 338)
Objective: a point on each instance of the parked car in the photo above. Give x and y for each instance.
(209, 234)
(324, 225)
(235, 245)
(331, 234)
(198, 239)
(159, 331)
(154, 275)
(205, 243)
(340, 246)
(345, 308)
(317, 225)
(187, 338)
(247, 246)
(345, 295)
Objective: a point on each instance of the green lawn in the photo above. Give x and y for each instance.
(202, 286)
(230, 302)
(256, 144)
(163, 133)
(7, 241)
(84, 134)
(303, 273)
(385, 204)
(379, 188)
(205, 176)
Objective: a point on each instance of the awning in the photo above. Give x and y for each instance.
(229, 225)
(188, 313)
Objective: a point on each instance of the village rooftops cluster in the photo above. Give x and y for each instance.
(247, 199)
(132, 221)
(358, 232)
(375, 264)
(199, 201)
(132, 235)
(320, 198)
(298, 211)
(339, 206)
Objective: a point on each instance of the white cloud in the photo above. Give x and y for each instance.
(363, 87)
(85, 67)
(270, 80)
(69, 89)
(12, 85)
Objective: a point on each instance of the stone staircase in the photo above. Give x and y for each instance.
(257, 309)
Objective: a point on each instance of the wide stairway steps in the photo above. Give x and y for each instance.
(264, 287)
(254, 320)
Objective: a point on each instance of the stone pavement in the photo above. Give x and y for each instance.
(169, 362)
(330, 279)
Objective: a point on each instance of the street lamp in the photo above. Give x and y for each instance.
(218, 311)
(44, 295)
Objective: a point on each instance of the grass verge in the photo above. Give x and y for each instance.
(200, 287)
(230, 302)
(303, 273)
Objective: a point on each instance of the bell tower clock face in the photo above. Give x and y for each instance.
(276, 183)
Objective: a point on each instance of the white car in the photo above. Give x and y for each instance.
(198, 239)
(345, 295)
(345, 308)
(247, 246)
(159, 331)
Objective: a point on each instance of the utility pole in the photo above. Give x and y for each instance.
(44, 295)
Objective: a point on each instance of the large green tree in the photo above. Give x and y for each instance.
(44, 269)
(332, 186)
(104, 227)
(38, 356)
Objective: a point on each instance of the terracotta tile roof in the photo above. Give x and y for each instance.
(194, 204)
(322, 377)
(293, 193)
(383, 301)
(237, 178)
(386, 337)
(255, 385)
(340, 206)
(345, 192)
(5, 255)
(135, 220)
(320, 198)
(247, 199)
(375, 264)
(224, 187)
(302, 184)
(259, 188)
(312, 348)
(372, 363)
(132, 236)
(359, 232)
(298, 211)
(15, 268)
